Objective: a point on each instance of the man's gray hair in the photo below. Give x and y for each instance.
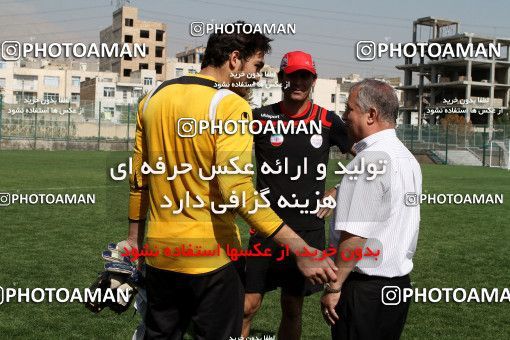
(379, 95)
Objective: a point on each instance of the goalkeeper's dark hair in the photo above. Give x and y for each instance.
(221, 45)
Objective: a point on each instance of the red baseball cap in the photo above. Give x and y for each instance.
(297, 60)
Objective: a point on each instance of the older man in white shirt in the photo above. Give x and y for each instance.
(373, 215)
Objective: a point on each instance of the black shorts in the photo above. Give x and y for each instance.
(264, 274)
(213, 302)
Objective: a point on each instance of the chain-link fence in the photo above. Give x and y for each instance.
(92, 126)
(463, 144)
(67, 126)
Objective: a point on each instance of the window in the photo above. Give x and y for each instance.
(128, 22)
(75, 81)
(270, 94)
(2, 82)
(124, 94)
(159, 68)
(333, 97)
(127, 72)
(144, 34)
(147, 81)
(75, 97)
(3, 64)
(51, 81)
(159, 51)
(191, 71)
(25, 83)
(22, 96)
(143, 66)
(128, 38)
(50, 96)
(109, 92)
(159, 35)
(127, 57)
(146, 50)
(178, 72)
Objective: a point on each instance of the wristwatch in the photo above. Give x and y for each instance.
(330, 290)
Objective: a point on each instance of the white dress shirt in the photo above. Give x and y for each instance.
(374, 207)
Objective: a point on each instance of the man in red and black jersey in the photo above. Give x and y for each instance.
(291, 151)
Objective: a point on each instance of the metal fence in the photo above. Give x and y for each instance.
(441, 141)
(66, 126)
(91, 127)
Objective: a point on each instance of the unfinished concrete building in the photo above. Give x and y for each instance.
(477, 88)
(128, 28)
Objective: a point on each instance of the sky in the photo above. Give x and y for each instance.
(327, 29)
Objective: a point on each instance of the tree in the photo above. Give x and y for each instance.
(503, 118)
(455, 119)
(463, 128)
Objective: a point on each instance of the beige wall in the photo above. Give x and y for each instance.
(117, 34)
(173, 65)
(13, 75)
(322, 92)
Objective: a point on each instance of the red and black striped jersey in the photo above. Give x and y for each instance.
(290, 150)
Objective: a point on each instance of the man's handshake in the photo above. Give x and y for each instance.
(317, 269)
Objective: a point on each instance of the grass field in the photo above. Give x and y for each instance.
(59, 246)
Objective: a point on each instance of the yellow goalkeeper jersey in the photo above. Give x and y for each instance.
(183, 232)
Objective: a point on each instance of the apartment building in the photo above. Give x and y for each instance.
(176, 69)
(346, 82)
(268, 90)
(112, 92)
(110, 97)
(42, 79)
(128, 28)
(326, 94)
(191, 55)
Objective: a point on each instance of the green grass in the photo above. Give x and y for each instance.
(59, 246)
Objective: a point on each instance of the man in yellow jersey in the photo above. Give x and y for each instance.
(184, 285)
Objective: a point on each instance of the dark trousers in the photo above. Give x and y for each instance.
(362, 312)
(213, 303)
